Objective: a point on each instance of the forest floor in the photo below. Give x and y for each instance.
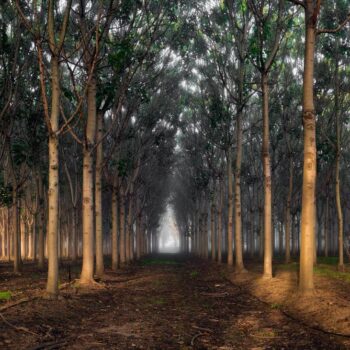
(173, 302)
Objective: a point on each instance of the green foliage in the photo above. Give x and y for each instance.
(331, 272)
(194, 274)
(5, 295)
(276, 306)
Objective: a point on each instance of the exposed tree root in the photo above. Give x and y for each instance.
(49, 345)
(18, 329)
(18, 302)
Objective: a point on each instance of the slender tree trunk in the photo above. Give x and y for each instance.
(87, 272)
(53, 186)
(130, 235)
(337, 169)
(122, 227)
(306, 282)
(212, 230)
(238, 208)
(115, 250)
(267, 179)
(98, 197)
(74, 234)
(138, 235)
(288, 212)
(16, 235)
(229, 208)
(326, 229)
(219, 215)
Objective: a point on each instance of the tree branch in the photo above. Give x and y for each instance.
(335, 30)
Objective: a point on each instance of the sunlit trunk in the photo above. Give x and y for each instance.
(267, 179)
(337, 170)
(98, 197)
(306, 282)
(239, 267)
(87, 273)
(53, 185)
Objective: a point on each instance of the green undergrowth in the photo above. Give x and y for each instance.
(331, 272)
(158, 261)
(5, 295)
(326, 267)
(194, 274)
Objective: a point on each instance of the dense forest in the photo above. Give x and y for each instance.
(234, 113)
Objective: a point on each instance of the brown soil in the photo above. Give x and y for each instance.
(189, 304)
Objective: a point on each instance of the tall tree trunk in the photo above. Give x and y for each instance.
(212, 230)
(87, 272)
(229, 208)
(16, 235)
(129, 242)
(337, 168)
(122, 227)
(74, 234)
(53, 185)
(306, 281)
(98, 197)
(238, 207)
(326, 229)
(267, 178)
(114, 207)
(288, 212)
(219, 216)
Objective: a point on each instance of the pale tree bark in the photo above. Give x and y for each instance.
(98, 196)
(337, 168)
(51, 116)
(87, 272)
(239, 267)
(288, 211)
(306, 281)
(229, 208)
(267, 178)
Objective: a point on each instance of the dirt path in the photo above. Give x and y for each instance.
(163, 303)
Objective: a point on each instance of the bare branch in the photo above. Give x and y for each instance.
(337, 29)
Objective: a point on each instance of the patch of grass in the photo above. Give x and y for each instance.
(329, 260)
(5, 295)
(194, 274)
(158, 261)
(276, 306)
(157, 283)
(158, 301)
(330, 272)
(289, 267)
(265, 333)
